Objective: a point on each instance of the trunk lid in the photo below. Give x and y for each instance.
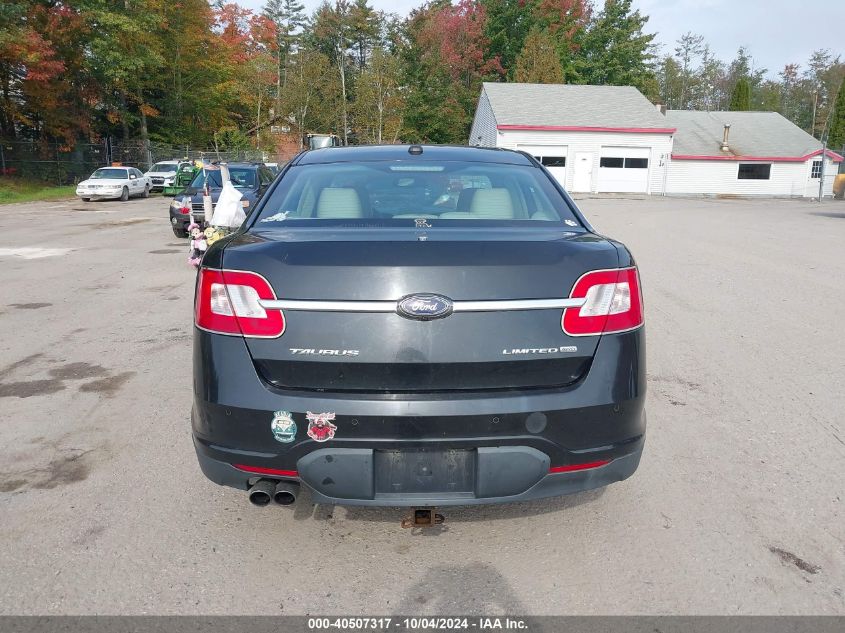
(383, 352)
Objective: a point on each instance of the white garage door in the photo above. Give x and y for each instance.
(624, 169)
(552, 156)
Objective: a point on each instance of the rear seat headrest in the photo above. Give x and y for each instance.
(339, 202)
(492, 203)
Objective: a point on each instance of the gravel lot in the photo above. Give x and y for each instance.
(737, 507)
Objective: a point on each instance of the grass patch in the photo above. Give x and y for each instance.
(13, 190)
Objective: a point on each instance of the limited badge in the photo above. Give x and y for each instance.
(320, 428)
(283, 427)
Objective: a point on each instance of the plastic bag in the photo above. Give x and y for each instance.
(229, 210)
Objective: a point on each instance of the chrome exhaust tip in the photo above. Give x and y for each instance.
(262, 492)
(286, 493)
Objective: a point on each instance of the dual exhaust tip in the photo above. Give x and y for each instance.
(266, 490)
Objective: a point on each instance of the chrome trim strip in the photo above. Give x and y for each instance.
(390, 306)
(516, 304)
(329, 306)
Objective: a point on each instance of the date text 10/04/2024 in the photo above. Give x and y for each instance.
(417, 623)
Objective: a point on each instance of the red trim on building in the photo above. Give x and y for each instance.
(766, 159)
(578, 128)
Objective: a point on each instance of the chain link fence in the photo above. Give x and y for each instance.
(51, 162)
(59, 164)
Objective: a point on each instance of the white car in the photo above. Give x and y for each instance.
(161, 174)
(110, 183)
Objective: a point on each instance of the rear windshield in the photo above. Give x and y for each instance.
(163, 167)
(405, 192)
(242, 178)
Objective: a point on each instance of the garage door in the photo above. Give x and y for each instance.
(552, 156)
(624, 169)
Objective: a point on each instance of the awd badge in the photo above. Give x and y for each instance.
(320, 428)
(283, 427)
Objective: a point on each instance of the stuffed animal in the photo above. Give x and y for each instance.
(199, 244)
(212, 234)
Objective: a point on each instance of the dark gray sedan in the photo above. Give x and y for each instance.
(417, 326)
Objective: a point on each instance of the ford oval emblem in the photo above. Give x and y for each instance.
(424, 307)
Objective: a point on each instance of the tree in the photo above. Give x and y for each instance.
(836, 134)
(455, 38)
(506, 28)
(822, 78)
(365, 26)
(437, 107)
(332, 35)
(791, 92)
(741, 96)
(127, 58)
(193, 94)
(669, 80)
(538, 62)
(379, 101)
(689, 48)
(289, 18)
(566, 21)
(615, 49)
(308, 99)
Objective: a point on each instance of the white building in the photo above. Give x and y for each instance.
(612, 139)
(592, 138)
(747, 154)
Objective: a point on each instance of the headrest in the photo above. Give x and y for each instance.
(339, 203)
(465, 198)
(492, 203)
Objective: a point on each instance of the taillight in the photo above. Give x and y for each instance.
(228, 303)
(613, 303)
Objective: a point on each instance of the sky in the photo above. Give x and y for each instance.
(775, 32)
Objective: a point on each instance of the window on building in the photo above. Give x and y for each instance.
(816, 170)
(553, 161)
(612, 161)
(615, 162)
(754, 171)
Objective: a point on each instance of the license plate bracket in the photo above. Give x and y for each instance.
(424, 471)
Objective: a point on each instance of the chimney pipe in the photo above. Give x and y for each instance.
(725, 146)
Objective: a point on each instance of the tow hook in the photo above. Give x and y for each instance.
(423, 517)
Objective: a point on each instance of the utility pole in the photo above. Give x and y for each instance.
(824, 157)
(821, 173)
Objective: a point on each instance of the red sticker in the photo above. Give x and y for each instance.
(320, 428)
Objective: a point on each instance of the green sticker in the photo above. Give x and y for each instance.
(283, 427)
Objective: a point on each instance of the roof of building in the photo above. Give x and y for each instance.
(760, 135)
(573, 107)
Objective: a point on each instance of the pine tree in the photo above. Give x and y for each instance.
(741, 96)
(836, 135)
(538, 62)
(366, 26)
(289, 18)
(507, 26)
(616, 51)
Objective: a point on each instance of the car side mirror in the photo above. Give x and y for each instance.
(131, 176)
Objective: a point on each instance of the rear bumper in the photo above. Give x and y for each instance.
(347, 477)
(508, 444)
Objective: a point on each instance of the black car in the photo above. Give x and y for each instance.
(251, 179)
(417, 326)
